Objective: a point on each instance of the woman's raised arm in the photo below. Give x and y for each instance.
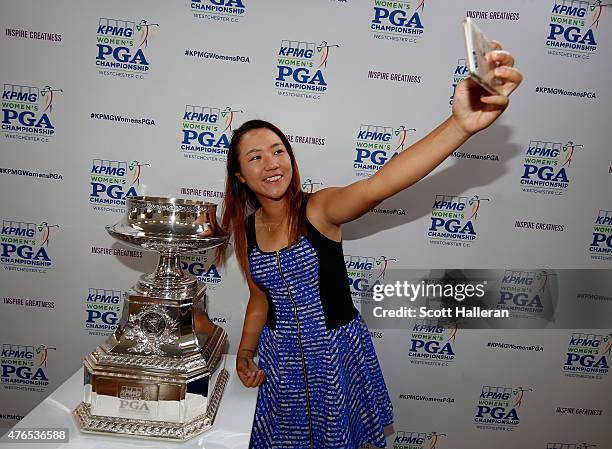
(473, 110)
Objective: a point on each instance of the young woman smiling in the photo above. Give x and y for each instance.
(320, 381)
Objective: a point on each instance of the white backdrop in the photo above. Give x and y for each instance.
(104, 99)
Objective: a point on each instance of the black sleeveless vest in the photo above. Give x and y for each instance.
(334, 289)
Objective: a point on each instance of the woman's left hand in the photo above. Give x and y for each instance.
(473, 107)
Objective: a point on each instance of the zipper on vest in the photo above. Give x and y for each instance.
(299, 338)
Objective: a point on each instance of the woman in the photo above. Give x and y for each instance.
(320, 382)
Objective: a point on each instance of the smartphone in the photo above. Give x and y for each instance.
(477, 46)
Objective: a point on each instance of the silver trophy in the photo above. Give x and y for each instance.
(153, 377)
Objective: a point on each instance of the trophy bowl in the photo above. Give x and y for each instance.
(168, 225)
(153, 377)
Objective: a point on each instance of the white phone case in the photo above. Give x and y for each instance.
(476, 47)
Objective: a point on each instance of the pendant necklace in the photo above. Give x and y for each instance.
(270, 230)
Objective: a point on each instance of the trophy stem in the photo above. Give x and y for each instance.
(169, 267)
(168, 275)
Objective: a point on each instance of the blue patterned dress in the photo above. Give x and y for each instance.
(324, 388)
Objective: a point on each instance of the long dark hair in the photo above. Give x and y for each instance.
(240, 200)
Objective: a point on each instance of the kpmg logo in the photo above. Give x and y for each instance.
(206, 132)
(202, 267)
(432, 344)
(218, 10)
(102, 310)
(588, 356)
(600, 247)
(547, 166)
(405, 439)
(27, 112)
(25, 246)
(398, 20)
(375, 145)
(364, 272)
(112, 181)
(24, 367)
(499, 408)
(452, 220)
(302, 68)
(123, 47)
(573, 28)
(460, 73)
(521, 293)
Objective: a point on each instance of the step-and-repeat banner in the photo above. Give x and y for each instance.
(102, 100)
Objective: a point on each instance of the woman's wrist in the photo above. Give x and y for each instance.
(246, 351)
(457, 129)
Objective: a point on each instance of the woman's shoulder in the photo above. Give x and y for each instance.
(316, 217)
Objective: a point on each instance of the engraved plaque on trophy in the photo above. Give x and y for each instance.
(153, 377)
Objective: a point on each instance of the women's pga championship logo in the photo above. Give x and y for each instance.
(432, 344)
(398, 20)
(102, 310)
(122, 47)
(452, 219)
(523, 293)
(25, 246)
(206, 131)
(24, 367)
(573, 28)
(600, 247)
(376, 144)
(27, 112)
(301, 68)
(499, 407)
(365, 272)
(587, 356)
(112, 181)
(546, 167)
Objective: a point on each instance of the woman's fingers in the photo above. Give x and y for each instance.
(252, 366)
(498, 52)
(259, 378)
(250, 379)
(496, 100)
(242, 368)
(244, 376)
(248, 372)
(508, 74)
(255, 379)
(502, 57)
(510, 78)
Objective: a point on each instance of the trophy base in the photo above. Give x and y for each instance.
(158, 430)
(153, 377)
